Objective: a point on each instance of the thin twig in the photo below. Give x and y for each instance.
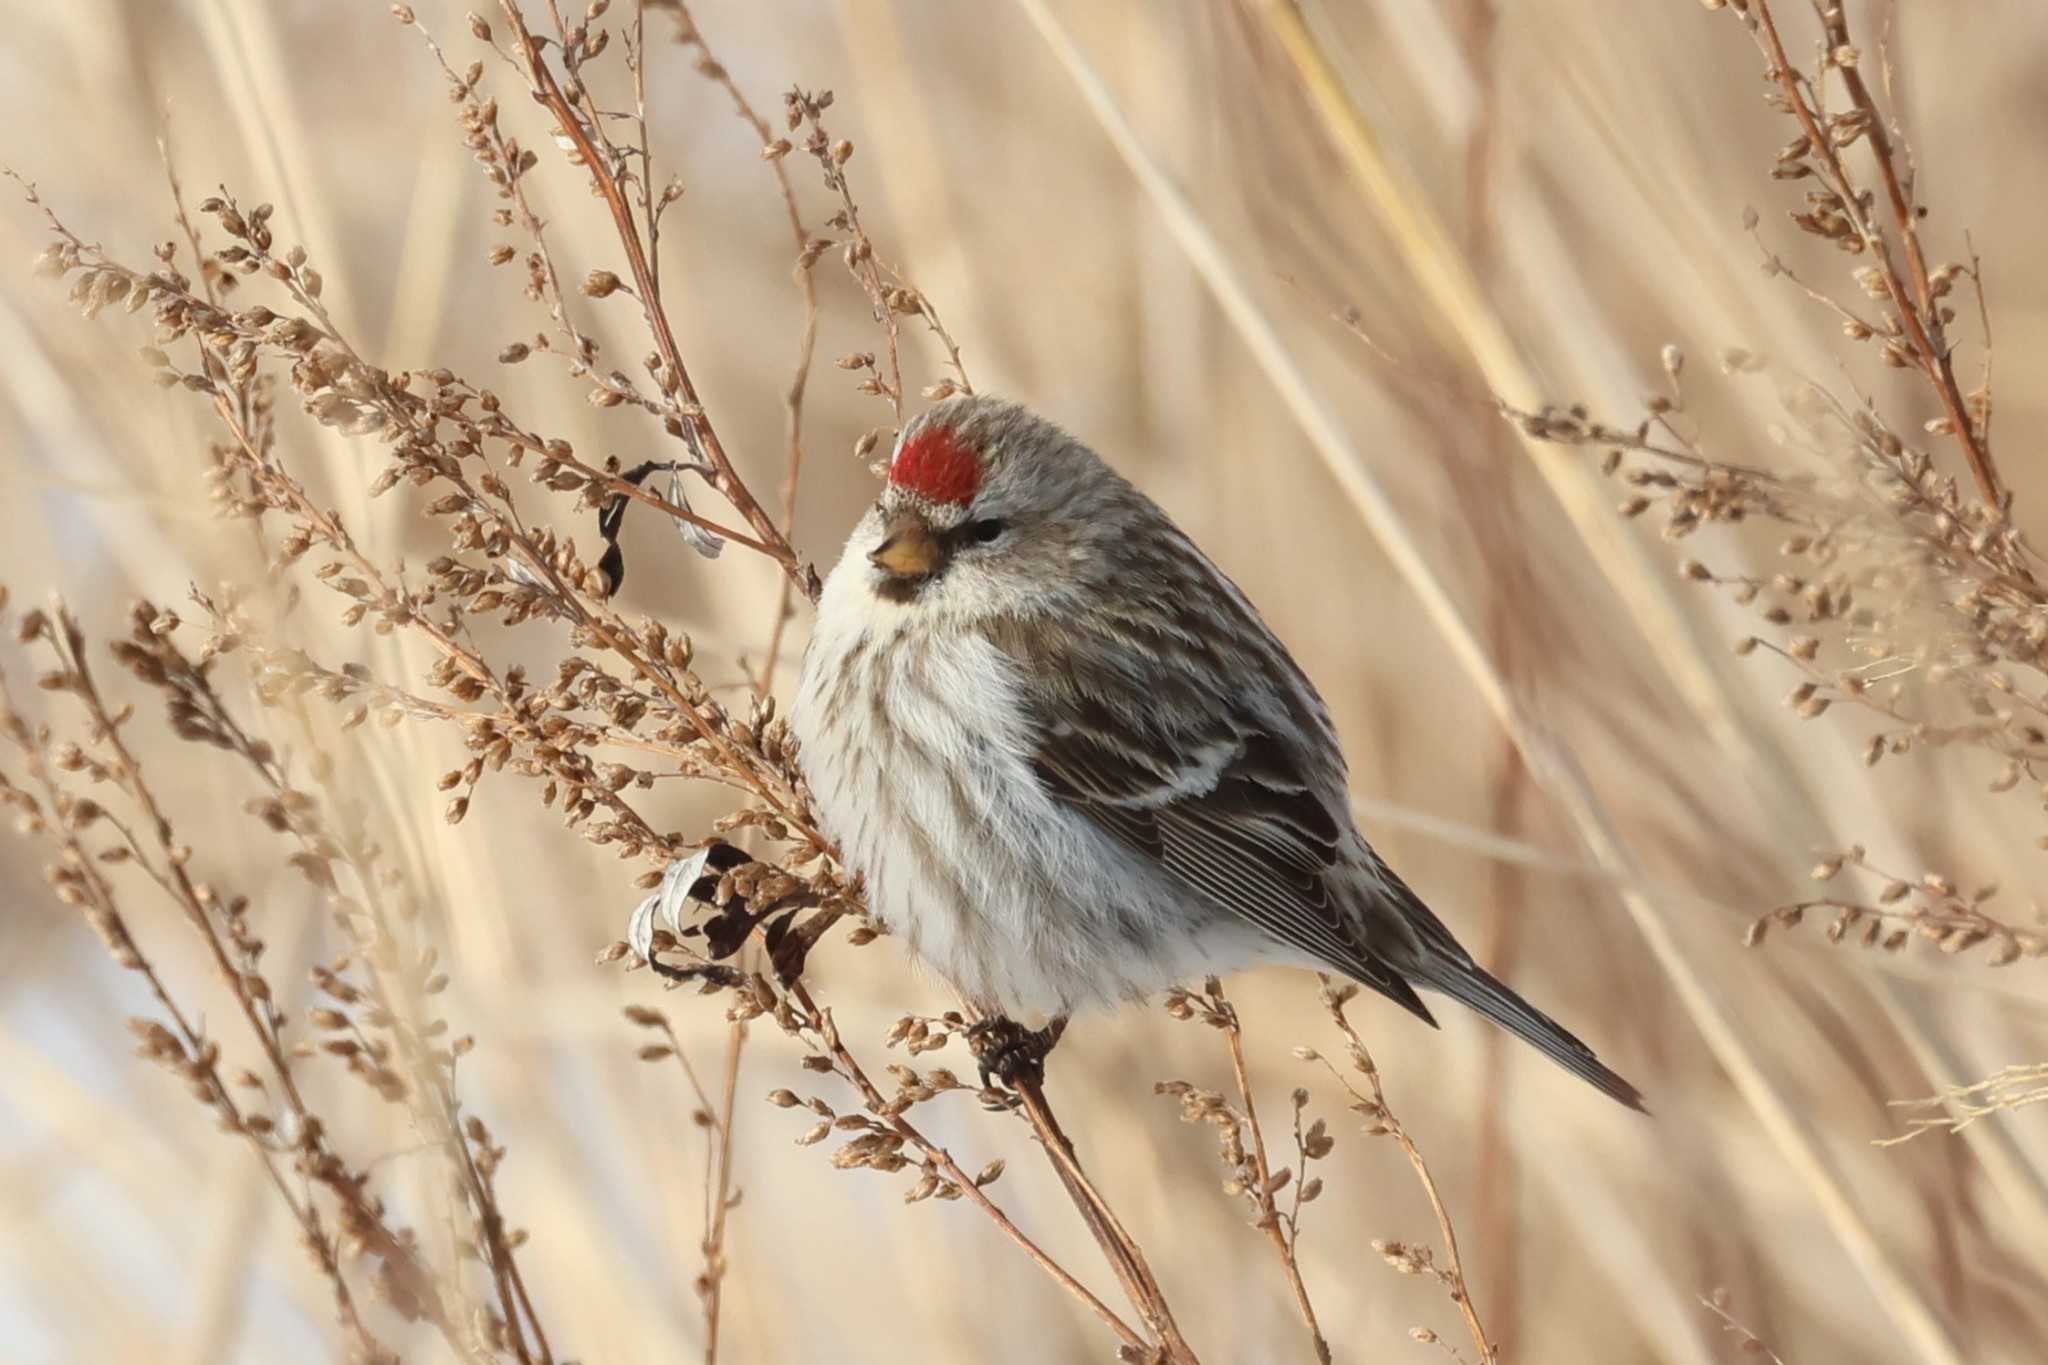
(681, 391)
(1269, 1217)
(1550, 764)
(820, 1022)
(1916, 304)
(721, 1197)
(1747, 1341)
(1122, 1250)
(793, 397)
(1380, 1120)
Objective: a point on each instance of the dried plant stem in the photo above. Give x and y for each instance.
(227, 380)
(1457, 297)
(1552, 767)
(1453, 1274)
(1959, 1106)
(763, 785)
(720, 1189)
(718, 1118)
(793, 397)
(682, 393)
(96, 895)
(650, 206)
(1118, 1246)
(165, 861)
(499, 426)
(336, 535)
(820, 1022)
(1270, 1221)
(432, 1094)
(1916, 309)
(784, 606)
(1748, 1342)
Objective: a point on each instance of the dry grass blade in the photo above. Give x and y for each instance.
(1554, 769)
(382, 1031)
(1458, 302)
(1959, 1106)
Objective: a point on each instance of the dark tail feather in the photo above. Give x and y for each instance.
(1470, 984)
(1390, 983)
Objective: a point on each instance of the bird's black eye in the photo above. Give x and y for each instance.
(985, 531)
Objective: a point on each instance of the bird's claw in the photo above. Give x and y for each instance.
(1007, 1051)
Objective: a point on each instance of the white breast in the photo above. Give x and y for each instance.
(912, 744)
(917, 750)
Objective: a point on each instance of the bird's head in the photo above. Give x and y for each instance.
(988, 509)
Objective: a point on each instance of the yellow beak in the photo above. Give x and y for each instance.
(909, 550)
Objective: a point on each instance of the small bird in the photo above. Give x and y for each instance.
(1073, 763)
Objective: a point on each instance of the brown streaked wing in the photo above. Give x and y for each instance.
(1202, 786)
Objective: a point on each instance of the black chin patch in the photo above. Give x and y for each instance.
(902, 588)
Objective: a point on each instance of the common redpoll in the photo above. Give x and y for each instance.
(1074, 765)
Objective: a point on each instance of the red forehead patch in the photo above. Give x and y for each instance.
(935, 464)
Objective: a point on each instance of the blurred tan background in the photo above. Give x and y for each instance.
(1590, 159)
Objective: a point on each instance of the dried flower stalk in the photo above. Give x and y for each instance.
(1380, 1121)
(1253, 1178)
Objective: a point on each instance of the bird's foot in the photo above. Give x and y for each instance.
(1006, 1050)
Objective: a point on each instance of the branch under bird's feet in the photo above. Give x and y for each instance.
(1006, 1050)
